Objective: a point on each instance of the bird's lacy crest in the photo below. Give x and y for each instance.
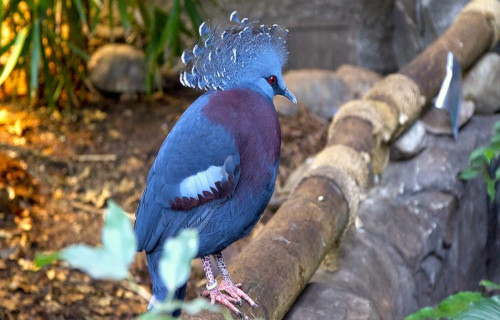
(225, 55)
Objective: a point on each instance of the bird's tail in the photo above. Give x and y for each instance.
(160, 291)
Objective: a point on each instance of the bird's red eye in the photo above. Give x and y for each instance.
(272, 80)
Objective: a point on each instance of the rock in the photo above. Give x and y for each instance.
(118, 68)
(320, 91)
(284, 107)
(357, 79)
(418, 23)
(437, 121)
(424, 237)
(410, 143)
(482, 84)
(333, 304)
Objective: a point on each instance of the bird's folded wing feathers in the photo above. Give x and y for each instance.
(197, 164)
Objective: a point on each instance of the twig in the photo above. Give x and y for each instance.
(131, 285)
(96, 157)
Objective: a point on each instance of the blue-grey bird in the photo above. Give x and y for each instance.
(216, 170)
(450, 94)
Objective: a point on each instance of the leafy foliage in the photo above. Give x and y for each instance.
(448, 308)
(176, 259)
(463, 305)
(50, 41)
(486, 308)
(480, 160)
(112, 260)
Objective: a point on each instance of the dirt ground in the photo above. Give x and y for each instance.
(57, 169)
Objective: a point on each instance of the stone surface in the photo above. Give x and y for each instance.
(118, 68)
(424, 236)
(327, 302)
(357, 79)
(324, 91)
(320, 91)
(410, 143)
(437, 121)
(326, 34)
(418, 23)
(482, 84)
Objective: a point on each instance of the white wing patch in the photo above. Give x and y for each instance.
(194, 185)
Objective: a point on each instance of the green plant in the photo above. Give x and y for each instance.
(464, 305)
(161, 30)
(48, 46)
(112, 260)
(49, 41)
(480, 159)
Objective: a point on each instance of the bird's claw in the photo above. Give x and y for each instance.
(217, 296)
(234, 295)
(234, 291)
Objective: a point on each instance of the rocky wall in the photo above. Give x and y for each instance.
(425, 235)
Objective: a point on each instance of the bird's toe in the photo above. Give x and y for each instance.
(234, 291)
(225, 300)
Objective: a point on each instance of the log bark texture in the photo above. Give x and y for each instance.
(275, 267)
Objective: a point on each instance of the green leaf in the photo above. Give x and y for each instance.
(111, 22)
(122, 9)
(197, 305)
(489, 153)
(14, 56)
(96, 262)
(95, 9)
(194, 15)
(81, 13)
(495, 138)
(43, 259)
(113, 259)
(424, 314)
(118, 236)
(448, 308)
(175, 263)
(154, 46)
(145, 15)
(78, 51)
(170, 34)
(489, 285)
(490, 187)
(496, 127)
(452, 305)
(57, 92)
(36, 54)
(468, 174)
(478, 155)
(483, 309)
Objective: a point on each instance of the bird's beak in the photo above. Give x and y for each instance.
(289, 95)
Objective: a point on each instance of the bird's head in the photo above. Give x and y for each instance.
(238, 55)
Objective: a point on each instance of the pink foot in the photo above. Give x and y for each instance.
(217, 296)
(234, 291)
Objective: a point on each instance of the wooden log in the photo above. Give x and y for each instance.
(468, 38)
(275, 267)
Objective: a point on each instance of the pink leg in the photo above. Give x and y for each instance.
(227, 284)
(213, 290)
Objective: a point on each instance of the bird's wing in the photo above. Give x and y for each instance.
(197, 164)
